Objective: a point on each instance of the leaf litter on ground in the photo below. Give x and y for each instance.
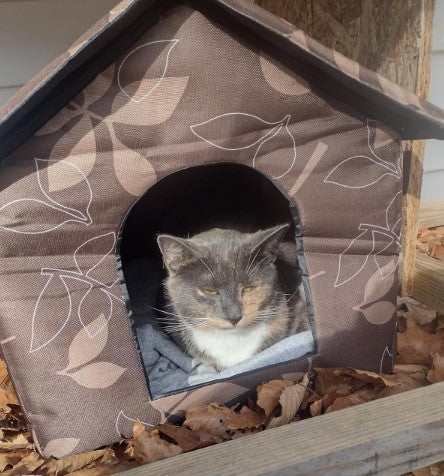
(420, 362)
(431, 241)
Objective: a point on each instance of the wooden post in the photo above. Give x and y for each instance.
(392, 38)
(428, 276)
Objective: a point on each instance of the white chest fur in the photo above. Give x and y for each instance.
(230, 346)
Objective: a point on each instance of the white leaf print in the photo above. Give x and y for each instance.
(383, 135)
(250, 130)
(377, 287)
(29, 216)
(51, 313)
(97, 375)
(69, 170)
(281, 78)
(158, 108)
(386, 264)
(160, 50)
(396, 228)
(277, 153)
(79, 146)
(59, 120)
(134, 172)
(85, 348)
(379, 313)
(376, 128)
(124, 424)
(99, 247)
(95, 300)
(361, 171)
(60, 447)
(358, 171)
(99, 86)
(105, 273)
(386, 355)
(352, 260)
(393, 214)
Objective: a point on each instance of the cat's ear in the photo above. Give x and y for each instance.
(176, 252)
(266, 242)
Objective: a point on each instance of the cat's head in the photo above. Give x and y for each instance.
(223, 278)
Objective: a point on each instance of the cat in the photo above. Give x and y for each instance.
(230, 295)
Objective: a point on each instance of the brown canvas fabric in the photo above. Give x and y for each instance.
(188, 92)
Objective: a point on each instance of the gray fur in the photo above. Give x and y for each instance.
(229, 261)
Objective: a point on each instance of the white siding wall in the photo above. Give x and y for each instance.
(33, 32)
(433, 178)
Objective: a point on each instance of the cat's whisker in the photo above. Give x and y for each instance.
(167, 320)
(170, 313)
(257, 264)
(252, 262)
(173, 330)
(291, 297)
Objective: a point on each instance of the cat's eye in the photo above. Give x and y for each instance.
(210, 292)
(248, 289)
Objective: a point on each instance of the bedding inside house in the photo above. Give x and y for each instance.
(183, 204)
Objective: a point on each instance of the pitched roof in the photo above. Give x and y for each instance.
(329, 70)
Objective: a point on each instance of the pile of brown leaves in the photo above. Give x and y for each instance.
(431, 241)
(420, 362)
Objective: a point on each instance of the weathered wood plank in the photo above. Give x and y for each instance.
(400, 50)
(412, 198)
(428, 276)
(388, 436)
(428, 281)
(431, 214)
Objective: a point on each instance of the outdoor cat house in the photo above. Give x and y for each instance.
(163, 115)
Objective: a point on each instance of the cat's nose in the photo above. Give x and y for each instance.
(235, 320)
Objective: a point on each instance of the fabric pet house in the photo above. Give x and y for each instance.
(156, 104)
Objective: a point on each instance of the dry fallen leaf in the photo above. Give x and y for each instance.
(360, 396)
(370, 377)
(317, 406)
(19, 442)
(420, 312)
(290, 401)
(12, 458)
(188, 439)
(436, 374)
(26, 466)
(7, 392)
(217, 420)
(106, 469)
(416, 346)
(431, 241)
(150, 447)
(328, 381)
(268, 394)
(69, 464)
(432, 470)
